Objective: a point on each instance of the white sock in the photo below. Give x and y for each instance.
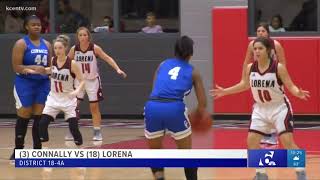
(299, 169)
(261, 170)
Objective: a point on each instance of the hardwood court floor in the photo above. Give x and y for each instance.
(129, 134)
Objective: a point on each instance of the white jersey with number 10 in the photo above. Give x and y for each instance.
(266, 86)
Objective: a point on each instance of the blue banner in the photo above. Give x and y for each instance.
(267, 158)
(276, 158)
(33, 163)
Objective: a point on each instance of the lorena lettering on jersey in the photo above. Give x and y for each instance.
(61, 77)
(262, 83)
(84, 58)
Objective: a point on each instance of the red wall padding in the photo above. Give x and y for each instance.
(230, 41)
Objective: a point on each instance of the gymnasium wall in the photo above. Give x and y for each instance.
(137, 54)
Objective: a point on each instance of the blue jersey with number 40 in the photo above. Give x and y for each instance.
(35, 55)
(173, 80)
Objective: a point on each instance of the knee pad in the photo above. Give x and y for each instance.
(154, 170)
(21, 131)
(43, 127)
(191, 173)
(74, 129)
(35, 132)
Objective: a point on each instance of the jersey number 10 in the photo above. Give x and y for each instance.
(85, 67)
(264, 96)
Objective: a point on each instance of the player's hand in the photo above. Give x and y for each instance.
(303, 94)
(121, 73)
(74, 93)
(217, 92)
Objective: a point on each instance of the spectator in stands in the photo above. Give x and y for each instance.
(276, 24)
(107, 25)
(43, 14)
(13, 22)
(306, 20)
(151, 24)
(68, 19)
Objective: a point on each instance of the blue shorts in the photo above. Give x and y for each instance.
(170, 116)
(30, 91)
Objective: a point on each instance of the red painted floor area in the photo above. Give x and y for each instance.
(227, 139)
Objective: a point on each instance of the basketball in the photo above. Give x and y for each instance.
(200, 123)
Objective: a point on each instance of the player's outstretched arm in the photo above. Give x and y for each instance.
(109, 60)
(286, 79)
(75, 69)
(243, 85)
(200, 92)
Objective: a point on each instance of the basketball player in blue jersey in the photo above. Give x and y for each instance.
(165, 109)
(272, 108)
(30, 90)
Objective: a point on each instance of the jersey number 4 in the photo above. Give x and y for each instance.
(264, 96)
(38, 60)
(174, 72)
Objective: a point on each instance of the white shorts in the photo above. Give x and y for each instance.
(266, 117)
(92, 88)
(56, 104)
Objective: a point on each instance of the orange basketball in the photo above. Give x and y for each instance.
(200, 123)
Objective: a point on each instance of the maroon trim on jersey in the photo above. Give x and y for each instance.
(80, 99)
(288, 118)
(99, 93)
(70, 67)
(66, 64)
(259, 132)
(280, 83)
(54, 61)
(270, 68)
(94, 52)
(90, 48)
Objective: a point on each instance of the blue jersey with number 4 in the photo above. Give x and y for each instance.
(173, 80)
(35, 55)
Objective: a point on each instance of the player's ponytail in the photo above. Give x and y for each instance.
(64, 39)
(183, 48)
